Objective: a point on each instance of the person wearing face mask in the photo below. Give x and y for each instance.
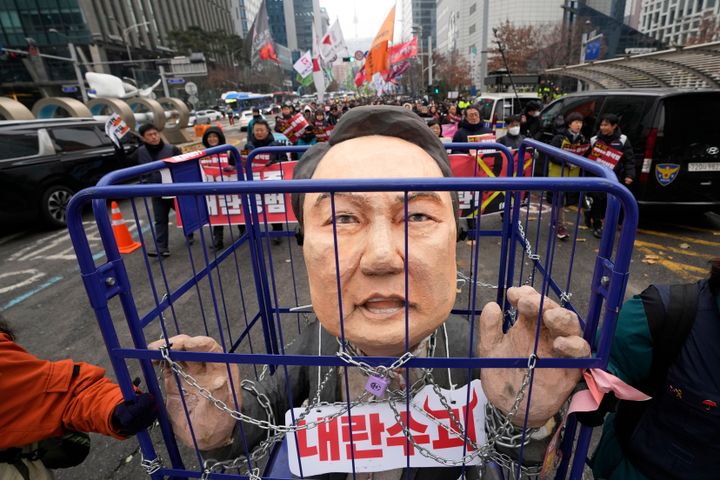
(452, 115)
(513, 138)
(571, 139)
(530, 125)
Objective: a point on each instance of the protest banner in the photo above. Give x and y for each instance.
(605, 155)
(378, 441)
(295, 128)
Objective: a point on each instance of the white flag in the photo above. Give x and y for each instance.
(304, 65)
(332, 43)
(318, 76)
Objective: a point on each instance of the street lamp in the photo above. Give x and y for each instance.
(76, 66)
(126, 39)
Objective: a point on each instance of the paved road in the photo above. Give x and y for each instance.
(42, 295)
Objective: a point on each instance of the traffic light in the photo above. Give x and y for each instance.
(436, 89)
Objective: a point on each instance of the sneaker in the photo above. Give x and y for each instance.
(190, 239)
(216, 247)
(165, 253)
(161, 252)
(562, 232)
(597, 232)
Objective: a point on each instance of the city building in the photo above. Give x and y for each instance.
(461, 24)
(291, 22)
(244, 12)
(679, 22)
(419, 18)
(104, 31)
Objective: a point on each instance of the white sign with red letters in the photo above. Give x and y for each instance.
(378, 441)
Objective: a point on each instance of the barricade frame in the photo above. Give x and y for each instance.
(110, 279)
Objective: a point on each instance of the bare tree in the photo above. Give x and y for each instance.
(452, 70)
(708, 30)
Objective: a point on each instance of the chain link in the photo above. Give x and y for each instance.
(463, 279)
(500, 429)
(526, 243)
(150, 466)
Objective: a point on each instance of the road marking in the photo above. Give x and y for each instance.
(714, 231)
(30, 293)
(680, 269)
(9, 238)
(664, 248)
(679, 238)
(32, 276)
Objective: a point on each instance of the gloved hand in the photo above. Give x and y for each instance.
(212, 428)
(132, 416)
(559, 337)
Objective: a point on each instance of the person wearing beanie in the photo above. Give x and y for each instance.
(153, 149)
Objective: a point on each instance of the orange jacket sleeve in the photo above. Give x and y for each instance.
(41, 399)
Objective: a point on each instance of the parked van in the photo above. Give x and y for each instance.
(674, 135)
(496, 107)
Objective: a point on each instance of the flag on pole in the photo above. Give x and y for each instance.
(304, 65)
(360, 77)
(261, 46)
(318, 75)
(377, 59)
(332, 43)
(304, 81)
(403, 51)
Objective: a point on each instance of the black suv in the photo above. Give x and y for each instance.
(673, 132)
(44, 162)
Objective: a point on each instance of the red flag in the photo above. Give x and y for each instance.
(267, 52)
(403, 51)
(360, 77)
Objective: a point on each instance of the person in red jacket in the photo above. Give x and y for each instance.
(43, 400)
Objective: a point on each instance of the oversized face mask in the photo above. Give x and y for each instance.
(371, 248)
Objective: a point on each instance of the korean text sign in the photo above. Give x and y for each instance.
(378, 441)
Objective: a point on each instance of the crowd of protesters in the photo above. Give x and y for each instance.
(459, 120)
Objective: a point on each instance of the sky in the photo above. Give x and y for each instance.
(370, 15)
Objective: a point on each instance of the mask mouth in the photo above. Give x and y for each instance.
(381, 305)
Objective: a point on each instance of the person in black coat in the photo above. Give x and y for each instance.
(152, 149)
(471, 125)
(261, 137)
(610, 139)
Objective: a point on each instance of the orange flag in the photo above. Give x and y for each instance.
(378, 59)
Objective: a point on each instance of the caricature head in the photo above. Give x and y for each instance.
(370, 229)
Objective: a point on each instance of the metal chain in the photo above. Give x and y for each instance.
(463, 279)
(150, 466)
(497, 433)
(526, 243)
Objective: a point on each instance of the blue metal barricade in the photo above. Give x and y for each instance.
(234, 296)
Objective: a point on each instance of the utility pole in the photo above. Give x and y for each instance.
(78, 73)
(76, 63)
(429, 55)
(484, 43)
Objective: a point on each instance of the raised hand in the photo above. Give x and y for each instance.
(212, 427)
(560, 336)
